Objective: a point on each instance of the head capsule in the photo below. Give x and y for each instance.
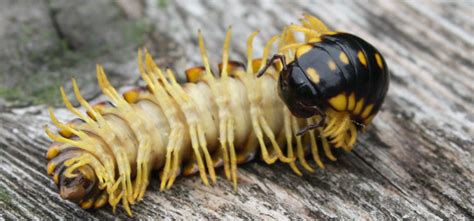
(296, 89)
(298, 93)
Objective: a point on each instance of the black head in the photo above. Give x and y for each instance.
(298, 92)
(296, 89)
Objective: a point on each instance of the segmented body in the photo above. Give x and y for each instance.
(107, 155)
(339, 70)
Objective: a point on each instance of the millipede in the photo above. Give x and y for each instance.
(331, 86)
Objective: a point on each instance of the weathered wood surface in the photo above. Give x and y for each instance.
(414, 162)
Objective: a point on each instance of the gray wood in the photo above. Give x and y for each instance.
(414, 162)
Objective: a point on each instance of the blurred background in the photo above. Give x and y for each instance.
(45, 43)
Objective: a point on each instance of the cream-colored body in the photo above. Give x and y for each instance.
(152, 116)
(185, 129)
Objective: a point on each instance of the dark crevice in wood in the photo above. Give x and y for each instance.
(52, 12)
(387, 179)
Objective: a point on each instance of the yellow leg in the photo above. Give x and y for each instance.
(77, 143)
(250, 53)
(344, 126)
(80, 134)
(75, 111)
(107, 89)
(162, 90)
(314, 146)
(124, 165)
(219, 93)
(317, 24)
(114, 199)
(225, 53)
(209, 161)
(233, 159)
(138, 181)
(263, 147)
(84, 103)
(100, 127)
(168, 159)
(271, 136)
(289, 141)
(299, 147)
(126, 206)
(287, 37)
(143, 156)
(123, 196)
(192, 115)
(146, 175)
(330, 124)
(73, 164)
(176, 163)
(258, 121)
(197, 154)
(205, 59)
(326, 147)
(353, 132)
(306, 24)
(337, 139)
(266, 50)
(330, 131)
(225, 152)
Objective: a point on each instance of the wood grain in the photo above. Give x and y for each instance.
(414, 162)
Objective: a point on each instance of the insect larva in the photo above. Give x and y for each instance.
(107, 154)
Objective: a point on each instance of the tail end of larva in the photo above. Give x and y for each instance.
(76, 183)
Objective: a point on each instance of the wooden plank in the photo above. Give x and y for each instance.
(414, 162)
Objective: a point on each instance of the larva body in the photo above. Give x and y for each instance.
(109, 153)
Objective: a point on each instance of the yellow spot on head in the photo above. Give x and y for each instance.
(339, 102)
(332, 65)
(303, 50)
(362, 59)
(343, 58)
(378, 58)
(313, 75)
(352, 101)
(367, 111)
